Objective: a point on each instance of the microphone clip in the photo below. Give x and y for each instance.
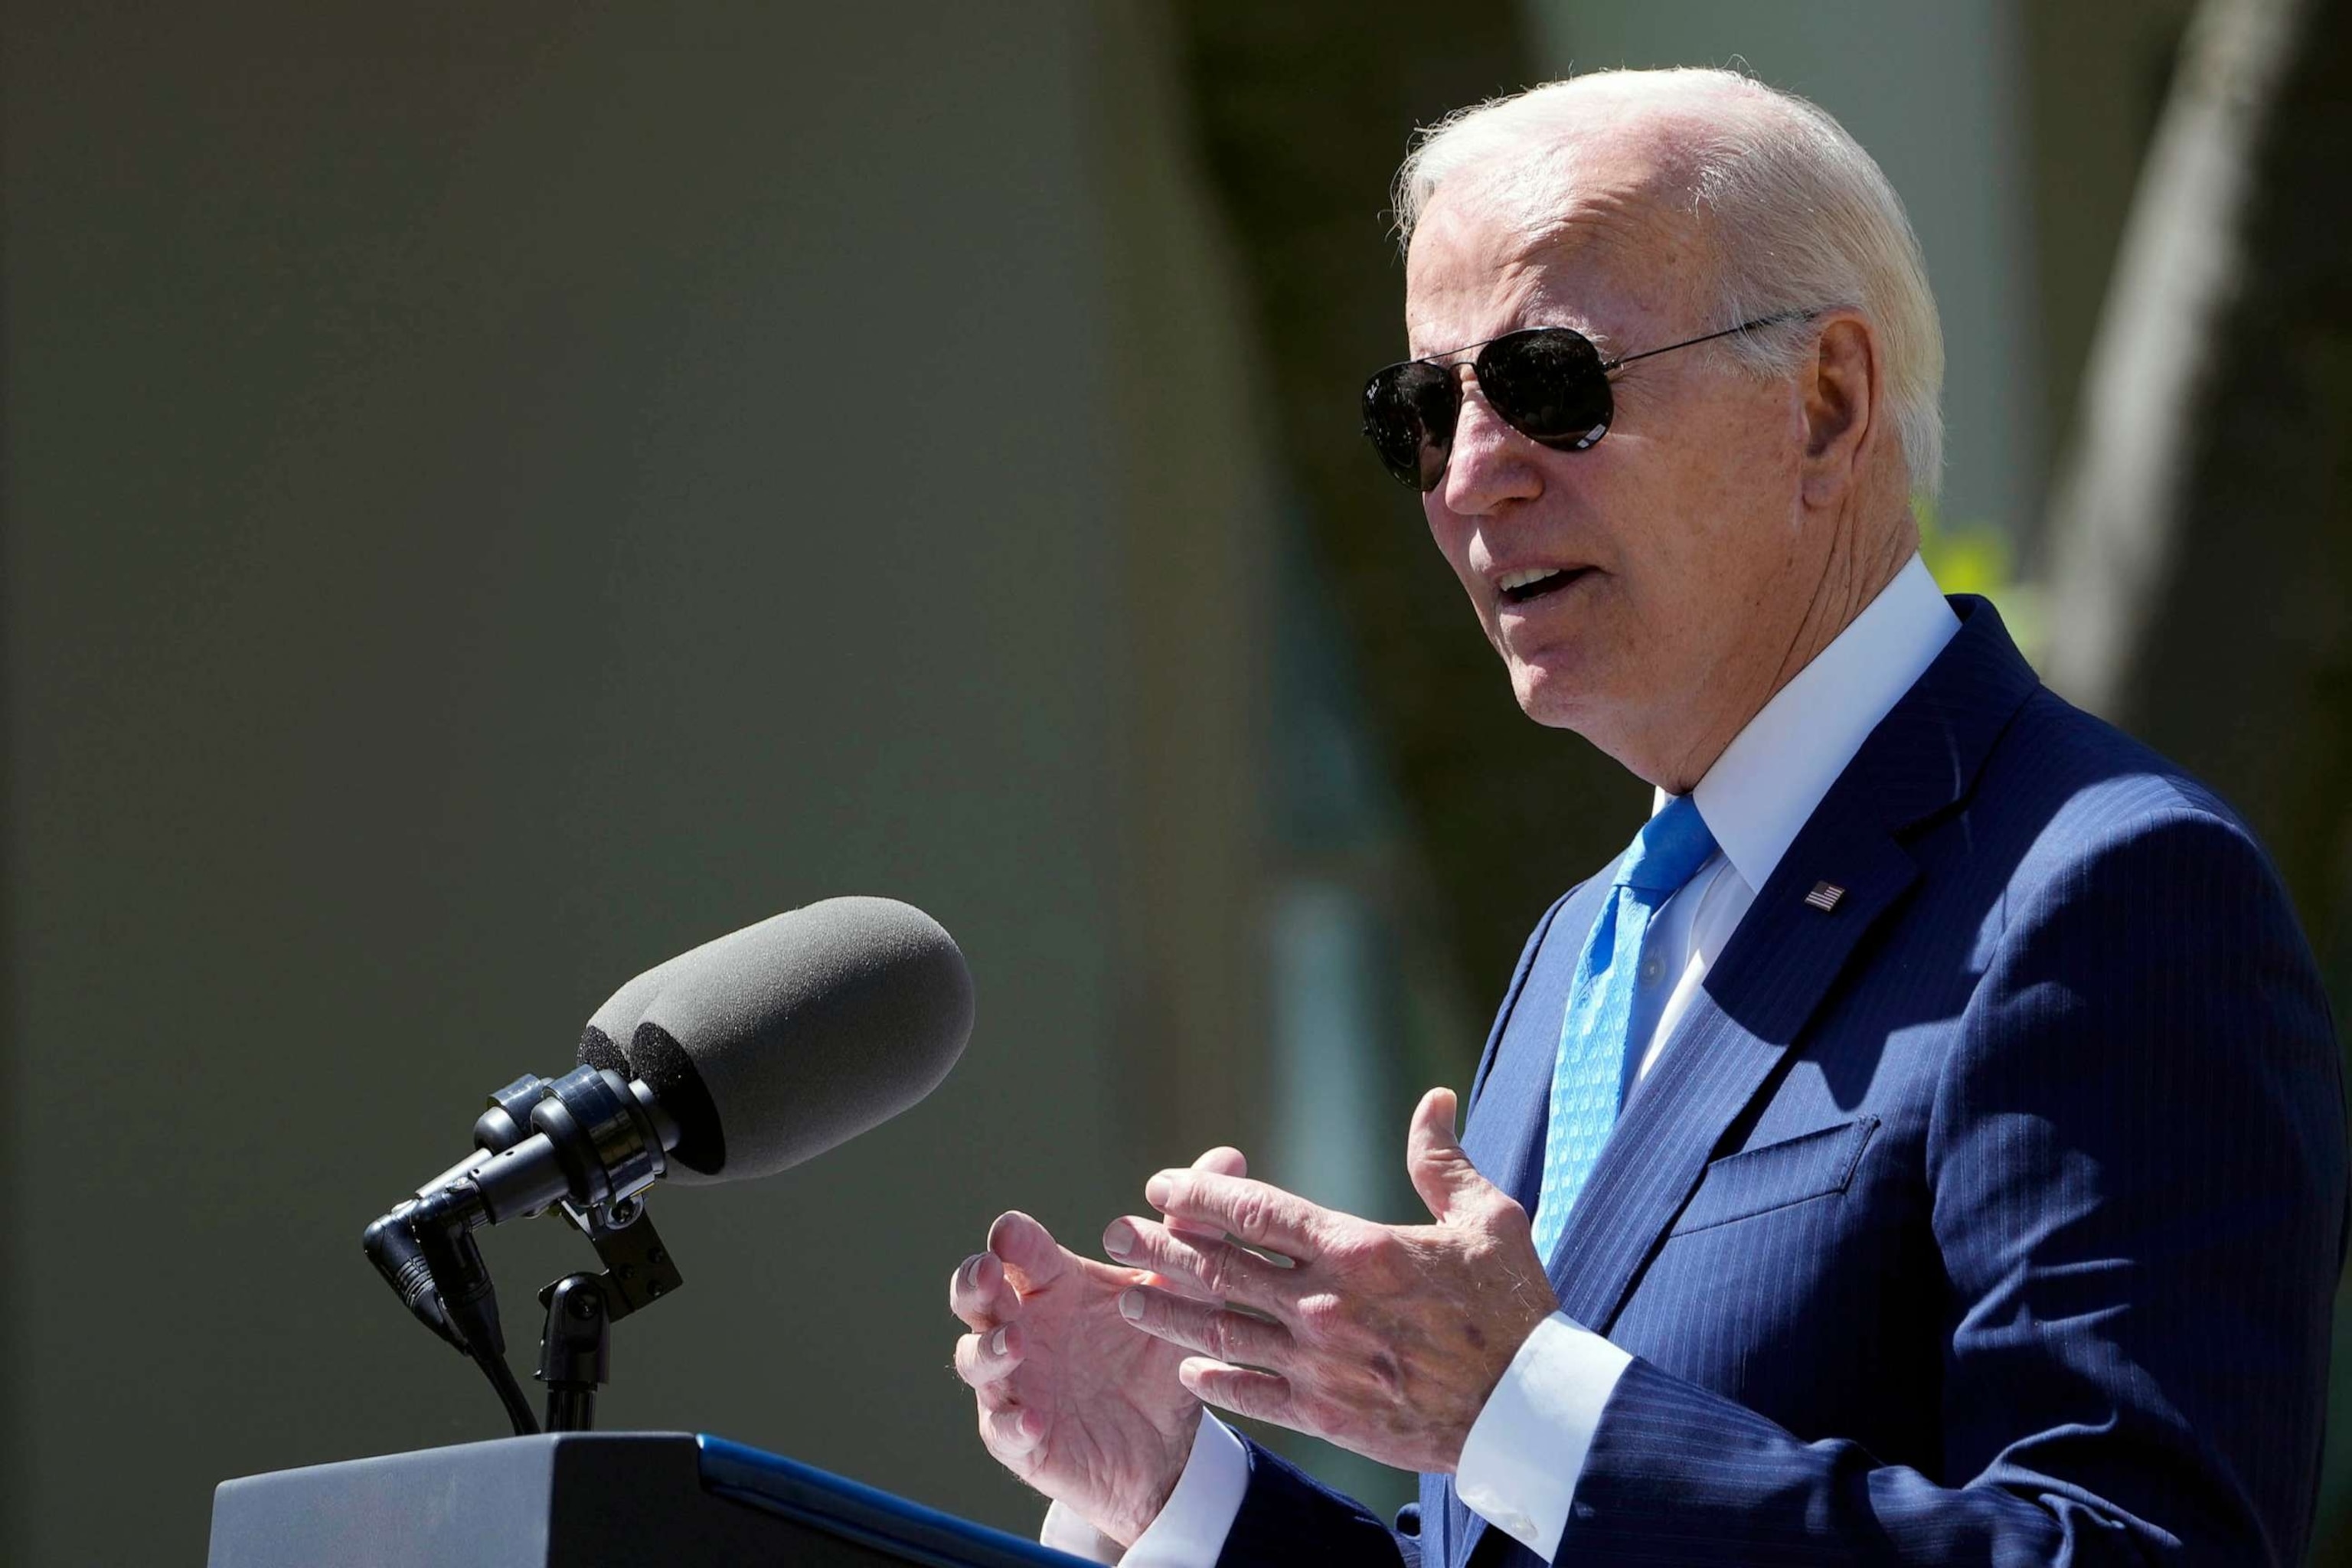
(639, 1269)
(589, 1143)
(575, 1349)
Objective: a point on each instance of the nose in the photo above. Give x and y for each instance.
(1491, 464)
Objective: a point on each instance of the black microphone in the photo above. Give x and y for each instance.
(743, 1057)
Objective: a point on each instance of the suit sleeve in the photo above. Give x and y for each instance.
(2137, 1161)
(1288, 1517)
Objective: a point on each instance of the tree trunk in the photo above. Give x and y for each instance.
(1303, 111)
(2201, 591)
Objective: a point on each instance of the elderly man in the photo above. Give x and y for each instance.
(1924, 1144)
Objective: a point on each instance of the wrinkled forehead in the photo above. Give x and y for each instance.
(1602, 240)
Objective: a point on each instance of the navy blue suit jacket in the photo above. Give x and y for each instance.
(1993, 1216)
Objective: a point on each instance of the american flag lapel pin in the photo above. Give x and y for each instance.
(1825, 896)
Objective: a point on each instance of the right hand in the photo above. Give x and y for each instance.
(1072, 1399)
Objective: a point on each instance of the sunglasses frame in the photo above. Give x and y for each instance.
(1450, 363)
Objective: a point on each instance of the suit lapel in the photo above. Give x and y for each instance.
(1784, 958)
(1504, 1135)
(1768, 981)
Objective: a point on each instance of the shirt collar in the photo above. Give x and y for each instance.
(1776, 770)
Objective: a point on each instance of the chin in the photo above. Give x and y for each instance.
(1555, 699)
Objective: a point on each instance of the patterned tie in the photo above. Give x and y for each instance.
(1590, 1080)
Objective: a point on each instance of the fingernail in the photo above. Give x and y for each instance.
(1156, 1189)
(1119, 1238)
(996, 1341)
(1130, 1306)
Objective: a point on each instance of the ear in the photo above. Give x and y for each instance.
(1842, 396)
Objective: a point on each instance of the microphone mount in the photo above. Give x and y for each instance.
(588, 1143)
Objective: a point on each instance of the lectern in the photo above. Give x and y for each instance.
(571, 1500)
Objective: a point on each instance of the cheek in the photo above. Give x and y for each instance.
(1444, 528)
(1727, 509)
(1450, 534)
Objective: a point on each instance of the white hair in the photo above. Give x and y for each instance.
(1798, 217)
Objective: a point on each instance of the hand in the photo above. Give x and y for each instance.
(1386, 1340)
(1071, 1399)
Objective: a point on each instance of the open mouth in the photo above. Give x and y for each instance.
(1518, 587)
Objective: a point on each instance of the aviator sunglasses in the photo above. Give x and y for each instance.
(1549, 384)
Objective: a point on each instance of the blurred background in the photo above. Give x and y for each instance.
(496, 495)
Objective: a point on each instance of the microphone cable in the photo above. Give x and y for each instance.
(502, 1378)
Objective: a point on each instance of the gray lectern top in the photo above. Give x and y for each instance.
(569, 1499)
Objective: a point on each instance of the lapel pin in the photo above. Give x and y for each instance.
(1825, 896)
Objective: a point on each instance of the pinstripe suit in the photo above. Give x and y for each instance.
(1992, 1216)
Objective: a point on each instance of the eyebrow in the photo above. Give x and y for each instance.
(1598, 338)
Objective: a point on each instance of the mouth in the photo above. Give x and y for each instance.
(1537, 581)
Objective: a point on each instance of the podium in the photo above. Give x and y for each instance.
(577, 1499)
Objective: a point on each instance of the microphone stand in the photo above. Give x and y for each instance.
(575, 1350)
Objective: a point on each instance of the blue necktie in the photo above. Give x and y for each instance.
(1589, 1079)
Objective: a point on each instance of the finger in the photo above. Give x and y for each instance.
(1265, 1217)
(1032, 1259)
(1224, 1161)
(984, 1360)
(1228, 1335)
(1196, 1266)
(1013, 1432)
(979, 1293)
(1442, 1174)
(1262, 1394)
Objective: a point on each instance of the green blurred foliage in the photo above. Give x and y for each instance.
(1979, 558)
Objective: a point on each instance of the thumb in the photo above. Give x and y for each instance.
(1442, 1174)
(1032, 1259)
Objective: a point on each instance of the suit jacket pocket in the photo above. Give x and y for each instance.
(1756, 1181)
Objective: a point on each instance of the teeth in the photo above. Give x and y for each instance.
(1510, 582)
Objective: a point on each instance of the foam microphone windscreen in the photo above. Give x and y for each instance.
(777, 1042)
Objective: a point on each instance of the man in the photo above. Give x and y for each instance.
(1925, 1145)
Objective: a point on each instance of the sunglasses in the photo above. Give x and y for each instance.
(1549, 384)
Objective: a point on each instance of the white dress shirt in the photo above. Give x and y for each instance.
(1521, 1461)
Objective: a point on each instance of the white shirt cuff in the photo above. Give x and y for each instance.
(1192, 1525)
(1065, 1532)
(1525, 1451)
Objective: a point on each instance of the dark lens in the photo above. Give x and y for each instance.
(1549, 383)
(1409, 411)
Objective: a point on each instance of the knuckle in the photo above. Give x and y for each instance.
(991, 1437)
(1320, 1313)
(1216, 1269)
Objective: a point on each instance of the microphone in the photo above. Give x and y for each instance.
(778, 1042)
(741, 1057)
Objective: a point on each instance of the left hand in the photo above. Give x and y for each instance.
(1386, 1340)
